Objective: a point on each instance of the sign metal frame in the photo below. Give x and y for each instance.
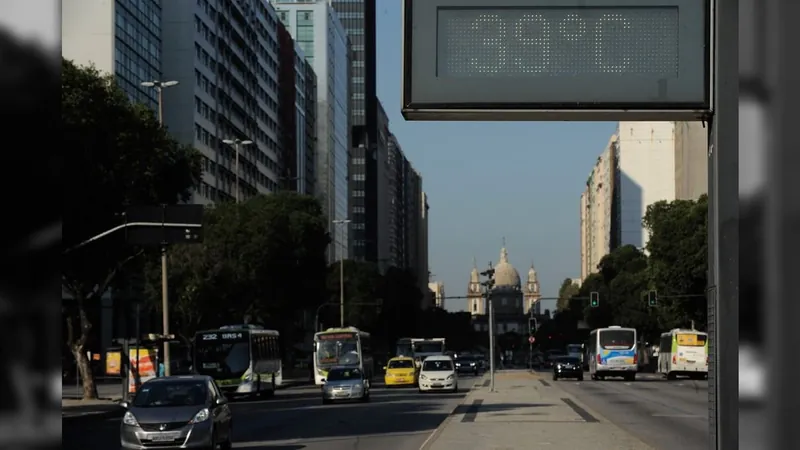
(414, 108)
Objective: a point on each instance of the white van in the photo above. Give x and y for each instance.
(438, 373)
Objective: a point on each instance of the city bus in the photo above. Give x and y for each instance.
(404, 347)
(342, 347)
(422, 348)
(683, 353)
(612, 353)
(244, 360)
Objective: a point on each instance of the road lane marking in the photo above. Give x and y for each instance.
(435, 433)
(584, 414)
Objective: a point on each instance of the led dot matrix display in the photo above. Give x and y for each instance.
(558, 41)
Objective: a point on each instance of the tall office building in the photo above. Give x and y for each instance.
(120, 37)
(224, 54)
(297, 83)
(407, 230)
(368, 184)
(316, 28)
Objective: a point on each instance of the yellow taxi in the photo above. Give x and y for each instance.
(401, 371)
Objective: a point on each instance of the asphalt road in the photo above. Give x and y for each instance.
(395, 419)
(666, 415)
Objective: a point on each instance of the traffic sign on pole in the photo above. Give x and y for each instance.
(531, 340)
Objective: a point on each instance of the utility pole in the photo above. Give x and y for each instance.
(237, 143)
(342, 223)
(488, 285)
(159, 86)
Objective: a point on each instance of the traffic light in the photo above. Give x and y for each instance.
(489, 273)
(594, 299)
(652, 298)
(532, 326)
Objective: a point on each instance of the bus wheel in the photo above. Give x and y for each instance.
(271, 392)
(671, 376)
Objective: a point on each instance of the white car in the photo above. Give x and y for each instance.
(438, 373)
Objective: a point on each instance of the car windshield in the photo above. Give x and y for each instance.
(438, 365)
(466, 359)
(344, 374)
(401, 364)
(171, 393)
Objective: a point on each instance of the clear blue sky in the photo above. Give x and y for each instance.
(487, 180)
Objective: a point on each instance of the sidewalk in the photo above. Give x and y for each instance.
(526, 412)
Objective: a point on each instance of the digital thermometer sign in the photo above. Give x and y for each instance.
(556, 60)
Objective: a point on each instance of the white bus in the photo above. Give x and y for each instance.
(612, 353)
(683, 352)
(242, 359)
(342, 347)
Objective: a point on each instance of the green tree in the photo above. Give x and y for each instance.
(120, 156)
(567, 290)
(401, 309)
(362, 282)
(678, 259)
(261, 261)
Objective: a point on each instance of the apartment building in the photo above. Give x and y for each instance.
(691, 160)
(597, 216)
(121, 38)
(316, 27)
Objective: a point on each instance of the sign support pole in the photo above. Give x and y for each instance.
(723, 230)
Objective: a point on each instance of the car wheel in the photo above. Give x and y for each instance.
(580, 377)
(555, 377)
(325, 401)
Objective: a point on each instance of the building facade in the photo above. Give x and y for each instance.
(691, 160)
(119, 37)
(439, 297)
(316, 28)
(646, 162)
(369, 132)
(531, 292)
(297, 157)
(507, 299)
(598, 221)
(225, 57)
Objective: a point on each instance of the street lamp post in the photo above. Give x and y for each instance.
(236, 143)
(159, 86)
(343, 223)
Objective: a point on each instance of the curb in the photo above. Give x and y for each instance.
(438, 431)
(90, 417)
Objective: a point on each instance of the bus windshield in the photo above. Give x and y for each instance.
(617, 339)
(222, 359)
(404, 349)
(429, 347)
(337, 349)
(691, 340)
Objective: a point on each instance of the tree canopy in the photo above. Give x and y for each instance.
(261, 261)
(567, 290)
(675, 266)
(120, 155)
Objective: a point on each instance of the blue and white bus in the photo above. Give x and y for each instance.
(613, 353)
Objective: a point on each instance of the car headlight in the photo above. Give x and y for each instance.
(248, 378)
(201, 416)
(358, 387)
(423, 377)
(450, 377)
(129, 419)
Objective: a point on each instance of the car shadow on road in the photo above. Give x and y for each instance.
(381, 416)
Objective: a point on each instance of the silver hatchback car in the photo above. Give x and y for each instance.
(177, 412)
(345, 383)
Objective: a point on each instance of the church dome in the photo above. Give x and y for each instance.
(505, 275)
